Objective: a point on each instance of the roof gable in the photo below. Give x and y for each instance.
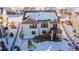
(30, 20)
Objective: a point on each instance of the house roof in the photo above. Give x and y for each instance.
(30, 20)
(75, 9)
(42, 15)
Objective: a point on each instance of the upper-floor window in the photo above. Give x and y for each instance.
(33, 25)
(44, 25)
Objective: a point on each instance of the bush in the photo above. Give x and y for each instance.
(29, 42)
(17, 48)
(11, 34)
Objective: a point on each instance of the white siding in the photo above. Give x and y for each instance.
(28, 31)
(41, 29)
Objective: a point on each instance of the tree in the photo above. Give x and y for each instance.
(21, 34)
(15, 38)
(17, 48)
(11, 34)
(30, 44)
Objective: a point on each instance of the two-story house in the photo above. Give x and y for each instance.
(37, 23)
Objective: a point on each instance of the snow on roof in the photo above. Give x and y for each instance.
(42, 15)
(30, 20)
(67, 16)
(15, 17)
(75, 9)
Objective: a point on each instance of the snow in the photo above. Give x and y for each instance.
(42, 46)
(45, 46)
(65, 17)
(70, 29)
(76, 9)
(77, 41)
(15, 17)
(42, 15)
(63, 32)
(64, 35)
(53, 46)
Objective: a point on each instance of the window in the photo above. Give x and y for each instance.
(43, 31)
(33, 32)
(44, 25)
(33, 25)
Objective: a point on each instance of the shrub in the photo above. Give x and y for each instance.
(11, 34)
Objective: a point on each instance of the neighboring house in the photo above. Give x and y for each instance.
(39, 23)
(13, 21)
(64, 18)
(75, 21)
(51, 8)
(29, 8)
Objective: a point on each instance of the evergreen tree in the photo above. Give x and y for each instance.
(11, 34)
(30, 44)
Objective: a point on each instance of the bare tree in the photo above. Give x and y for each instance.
(15, 38)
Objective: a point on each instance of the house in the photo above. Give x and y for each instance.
(75, 20)
(51, 8)
(37, 23)
(29, 8)
(13, 21)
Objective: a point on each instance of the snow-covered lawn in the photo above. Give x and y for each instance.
(77, 41)
(53, 46)
(42, 46)
(64, 45)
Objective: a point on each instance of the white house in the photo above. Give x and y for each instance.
(39, 23)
